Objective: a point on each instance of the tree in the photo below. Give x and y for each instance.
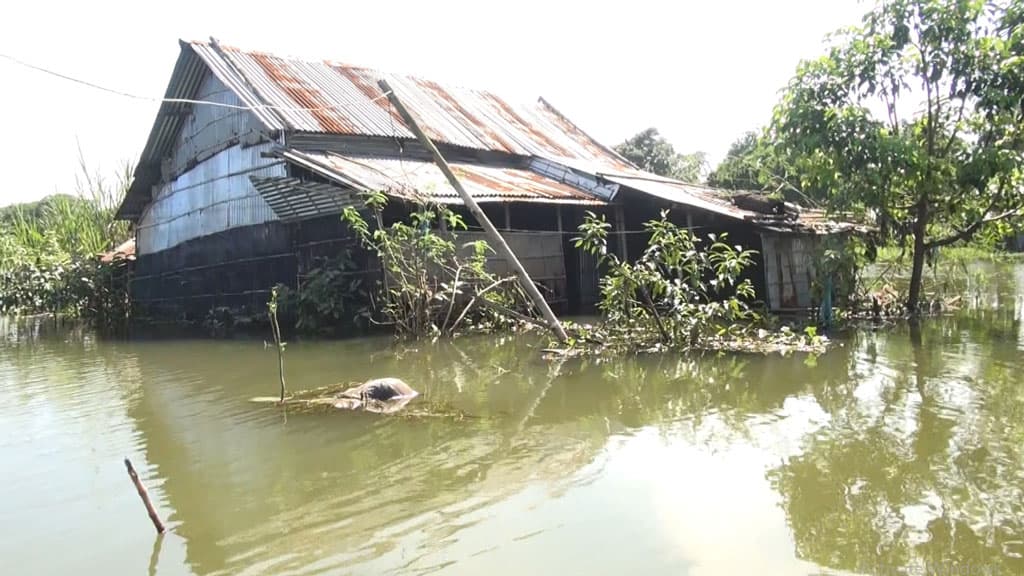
(741, 169)
(753, 163)
(652, 153)
(915, 117)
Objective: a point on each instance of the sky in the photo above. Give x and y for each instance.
(701, 72)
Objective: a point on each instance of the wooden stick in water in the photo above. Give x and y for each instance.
(157, 523)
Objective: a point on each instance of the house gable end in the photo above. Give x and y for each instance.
(192, 79)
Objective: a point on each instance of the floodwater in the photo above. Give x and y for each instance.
(898, 452)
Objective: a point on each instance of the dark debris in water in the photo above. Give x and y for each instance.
(324, 400)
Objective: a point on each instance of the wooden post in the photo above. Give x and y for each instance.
(145, 497)
(492, 233)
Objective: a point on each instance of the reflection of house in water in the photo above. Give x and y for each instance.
(349, 485)
(229, 199)
(251, 492)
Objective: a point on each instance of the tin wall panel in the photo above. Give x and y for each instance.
(213, 197)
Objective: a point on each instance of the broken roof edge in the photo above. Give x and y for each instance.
(719, 201)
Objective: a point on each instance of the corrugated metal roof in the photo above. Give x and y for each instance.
(188, 74)
(415, 179)
(327, 97)
(412, 180)
(324, 97)
(675, 191)
(291, 199)
(720, 202)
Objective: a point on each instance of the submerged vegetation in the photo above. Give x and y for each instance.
(677, 293)
(431, 285)
(331, 300)
(682, 293)
(50, 254)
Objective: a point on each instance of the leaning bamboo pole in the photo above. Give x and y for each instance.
(492, 233)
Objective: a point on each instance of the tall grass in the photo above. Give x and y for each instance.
(81, 224)
(49, 250)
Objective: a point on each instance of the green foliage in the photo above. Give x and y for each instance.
(432, 286)
(748, 165)
(753, 163)
(654, 154)
(331, 298)
(681, 292)
(841, 259)
(944, 160)
(49, 254)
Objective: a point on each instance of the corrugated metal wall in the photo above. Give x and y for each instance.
(215, 195)
(789, 269)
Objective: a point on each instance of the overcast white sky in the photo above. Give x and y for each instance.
(701, 72)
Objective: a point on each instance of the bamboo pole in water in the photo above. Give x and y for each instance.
(157, 523)
(276, 328)
(492, 233)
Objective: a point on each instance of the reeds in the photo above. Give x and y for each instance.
(49, 249)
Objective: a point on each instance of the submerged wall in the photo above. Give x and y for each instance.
(236, 268)
(233, 268)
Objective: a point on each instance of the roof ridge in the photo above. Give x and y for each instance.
(333, 63)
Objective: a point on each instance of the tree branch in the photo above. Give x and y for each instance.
(971, 230)
(956, 127)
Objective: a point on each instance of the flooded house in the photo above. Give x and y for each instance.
(252, 158)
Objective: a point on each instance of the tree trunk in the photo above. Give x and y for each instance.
(917, 272)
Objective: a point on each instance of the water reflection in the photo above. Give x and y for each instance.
(395, 494)
(899, 449)
(922, 465)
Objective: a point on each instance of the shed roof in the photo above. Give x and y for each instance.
(328, 97)
(410, 179)
(325, 97)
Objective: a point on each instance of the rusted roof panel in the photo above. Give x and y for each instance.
(419, 180)
(332, 98)
(720, 202)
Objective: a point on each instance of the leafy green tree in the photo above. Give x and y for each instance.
(652, 153)
(916, 118)
(740, 169)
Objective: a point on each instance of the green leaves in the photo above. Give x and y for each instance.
(431, 285)
(680, 291)
(913, 118)
(593, 238)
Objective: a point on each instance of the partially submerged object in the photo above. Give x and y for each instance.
(380, 395)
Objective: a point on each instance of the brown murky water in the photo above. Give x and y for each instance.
(895, 451)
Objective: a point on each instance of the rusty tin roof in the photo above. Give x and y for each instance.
(419, 180)
(324, 97)
(327, 97)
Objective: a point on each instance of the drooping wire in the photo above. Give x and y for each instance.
(95, 86)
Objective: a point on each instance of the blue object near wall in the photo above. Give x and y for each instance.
(825, 310)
